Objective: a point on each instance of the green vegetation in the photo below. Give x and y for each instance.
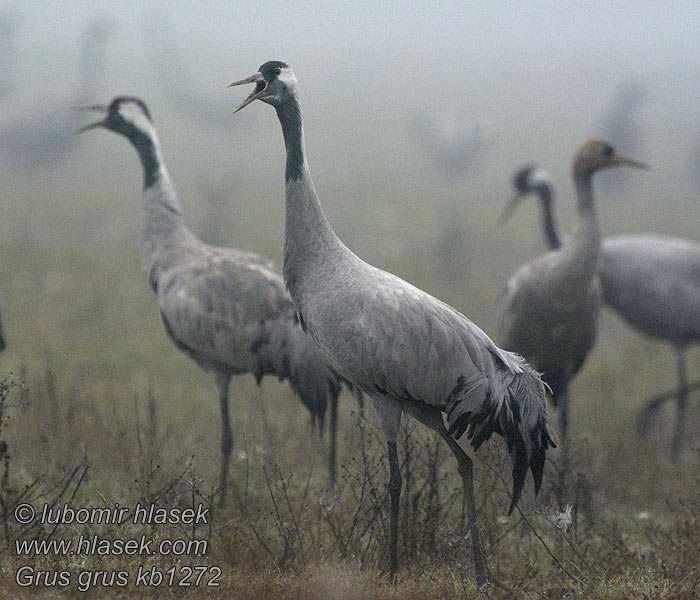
(110, 411)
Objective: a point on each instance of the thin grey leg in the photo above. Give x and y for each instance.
(432, 418)
(563, 404)
(222, 382)
(678, 435)
(465, 467)
(395, 495)
(333, 450)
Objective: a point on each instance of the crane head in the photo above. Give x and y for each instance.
(530, 177)
(273, 81)
(596, 154)
(123, 115)
(526, 180)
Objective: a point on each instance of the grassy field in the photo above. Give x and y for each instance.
(98, 408)
(101, 409)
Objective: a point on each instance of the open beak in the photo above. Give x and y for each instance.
(510, 208)
(258, 92)
(623, 161)
(94, 108)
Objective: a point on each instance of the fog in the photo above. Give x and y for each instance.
(393, 96)
(416, 116)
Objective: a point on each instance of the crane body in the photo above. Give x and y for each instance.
(651, 281)
(407, 350)
(226, 309)
(549, 308)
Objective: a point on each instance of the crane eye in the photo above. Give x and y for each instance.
(277, 70)
(608, 151)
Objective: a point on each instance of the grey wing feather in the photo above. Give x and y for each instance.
(395, 339)
(230, 312)
(653, 282)
(219, 307)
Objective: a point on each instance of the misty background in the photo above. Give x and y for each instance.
(416, 116)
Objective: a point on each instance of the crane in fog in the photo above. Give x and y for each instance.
(549, 308)
(8, 52)
(407, 350)
(620, 125)
(225, 308)
(652, 282)
(532, 179)
(455, 142)
(175, 71)
(35, 141)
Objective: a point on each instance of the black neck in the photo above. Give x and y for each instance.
(310, 245)
(289, 115)
(551, 229)
(146, 148)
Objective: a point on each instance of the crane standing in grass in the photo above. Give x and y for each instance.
(549, 308)
(407, 350)
(226, 309)
(651, 281)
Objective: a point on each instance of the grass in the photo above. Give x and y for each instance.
(285, 535)
(104, 410)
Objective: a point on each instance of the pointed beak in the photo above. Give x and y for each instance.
(258, 92)
(623, 161)
(510, 208)
(93, 108)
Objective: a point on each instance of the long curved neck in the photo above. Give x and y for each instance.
(289, 115)
(583, 184)
(147, 145)
(163, 222)
(584, 247)
(309, 239)
(553, 235)
(160, 203)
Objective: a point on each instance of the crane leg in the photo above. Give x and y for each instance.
(222, 381)
(433, 419)
(333, 449)
(651, 407)
(562, 402)
(389, 415)
(395, 496)
(677, 443)
(360, 402)
(465, 467)
(681, 394)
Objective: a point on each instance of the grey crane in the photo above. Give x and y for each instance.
(652, 282)
(531, 179)
(30, 142)
(621, 125)
(456, 143)
(225, 308)
(549, 308)
(407, 350)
